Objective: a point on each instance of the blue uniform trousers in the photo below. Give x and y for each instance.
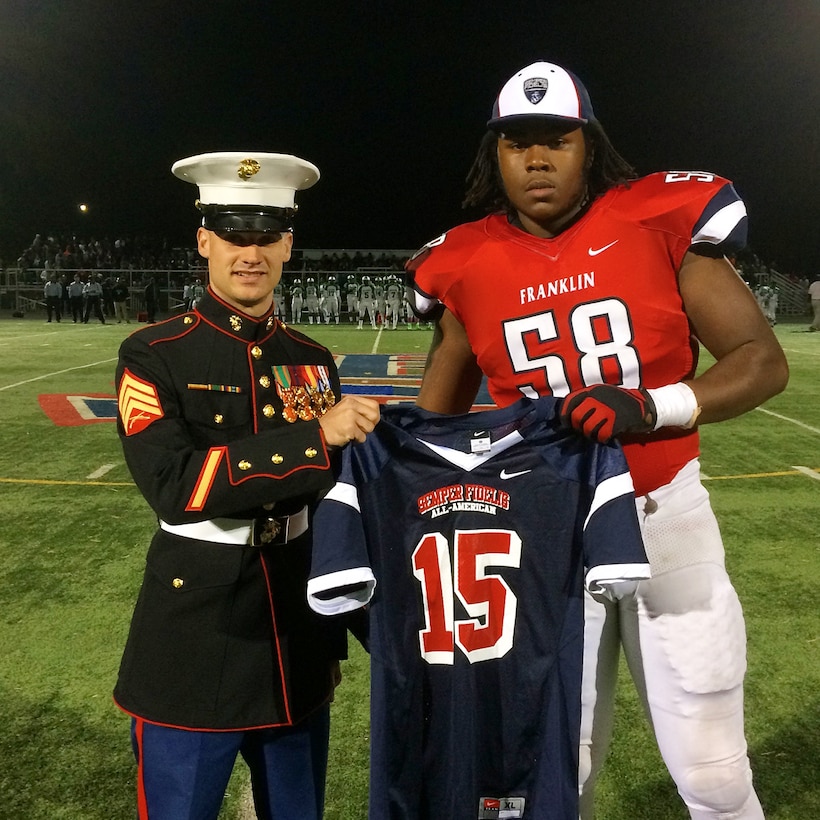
(183, 774)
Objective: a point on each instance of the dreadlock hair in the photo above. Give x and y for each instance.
(485, 188)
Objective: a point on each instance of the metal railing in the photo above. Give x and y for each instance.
(21, 289)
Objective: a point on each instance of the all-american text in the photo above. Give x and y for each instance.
(469, 493)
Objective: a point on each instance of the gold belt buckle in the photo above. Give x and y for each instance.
(270, 531)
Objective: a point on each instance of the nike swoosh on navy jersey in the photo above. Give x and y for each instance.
(596, 251)
(504, 474)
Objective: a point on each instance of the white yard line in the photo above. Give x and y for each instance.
(57, 373)
(791, 421)
(101, 471)
(14, 338)
(804, 352)
(807, 471)
(375, 347)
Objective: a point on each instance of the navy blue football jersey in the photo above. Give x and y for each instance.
(470, 539)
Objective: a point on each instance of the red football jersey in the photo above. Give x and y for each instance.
(599, 303)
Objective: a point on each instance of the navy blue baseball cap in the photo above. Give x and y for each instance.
(542, 91)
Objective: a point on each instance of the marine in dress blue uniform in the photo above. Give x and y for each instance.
(227, 419)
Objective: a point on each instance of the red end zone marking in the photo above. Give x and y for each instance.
(67, 410)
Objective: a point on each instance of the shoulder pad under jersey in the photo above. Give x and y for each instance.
(451, 248)
(699, 206)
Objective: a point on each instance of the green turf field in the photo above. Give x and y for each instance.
(75, 531)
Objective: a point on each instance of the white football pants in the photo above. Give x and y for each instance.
(684, 640)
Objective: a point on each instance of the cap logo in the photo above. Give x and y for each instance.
(535, 89)
(247, 168)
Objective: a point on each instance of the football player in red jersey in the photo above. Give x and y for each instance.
(608, 285)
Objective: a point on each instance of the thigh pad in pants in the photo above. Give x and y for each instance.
(694, 617)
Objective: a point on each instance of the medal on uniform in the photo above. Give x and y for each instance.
(320, 392)
(305, 391)
(304, 405)
(289, 401)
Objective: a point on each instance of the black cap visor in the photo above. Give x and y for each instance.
(246, 219)
(518, 122)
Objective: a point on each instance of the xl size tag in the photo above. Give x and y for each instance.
(500, 808)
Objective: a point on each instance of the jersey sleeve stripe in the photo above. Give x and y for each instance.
(720, 225)
(346, 494)
(615, 580)
(423, 304)
(608, 490)
(354, 589)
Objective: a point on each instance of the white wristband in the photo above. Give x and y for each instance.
(676, 406)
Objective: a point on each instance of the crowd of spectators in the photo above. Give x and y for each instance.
(757, 273)
(175, 270)
(359, 260)
(50, 252)
(54, 252)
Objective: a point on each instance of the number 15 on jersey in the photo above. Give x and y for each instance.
(487, 599)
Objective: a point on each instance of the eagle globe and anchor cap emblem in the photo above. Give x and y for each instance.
(535, 89)
(247, 168)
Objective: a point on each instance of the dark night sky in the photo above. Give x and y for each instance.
(390, 100)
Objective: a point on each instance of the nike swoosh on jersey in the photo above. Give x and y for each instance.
(504, 474)
(596, 251)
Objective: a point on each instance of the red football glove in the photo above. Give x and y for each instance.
(603, 411)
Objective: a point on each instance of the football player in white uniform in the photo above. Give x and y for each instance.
(392, 301)
(352, 297)
(367, 303)
(297, 301)
(330, 300)
(312, 301)
(279, 302)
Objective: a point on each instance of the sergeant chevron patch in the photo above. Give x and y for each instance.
(138, 403)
